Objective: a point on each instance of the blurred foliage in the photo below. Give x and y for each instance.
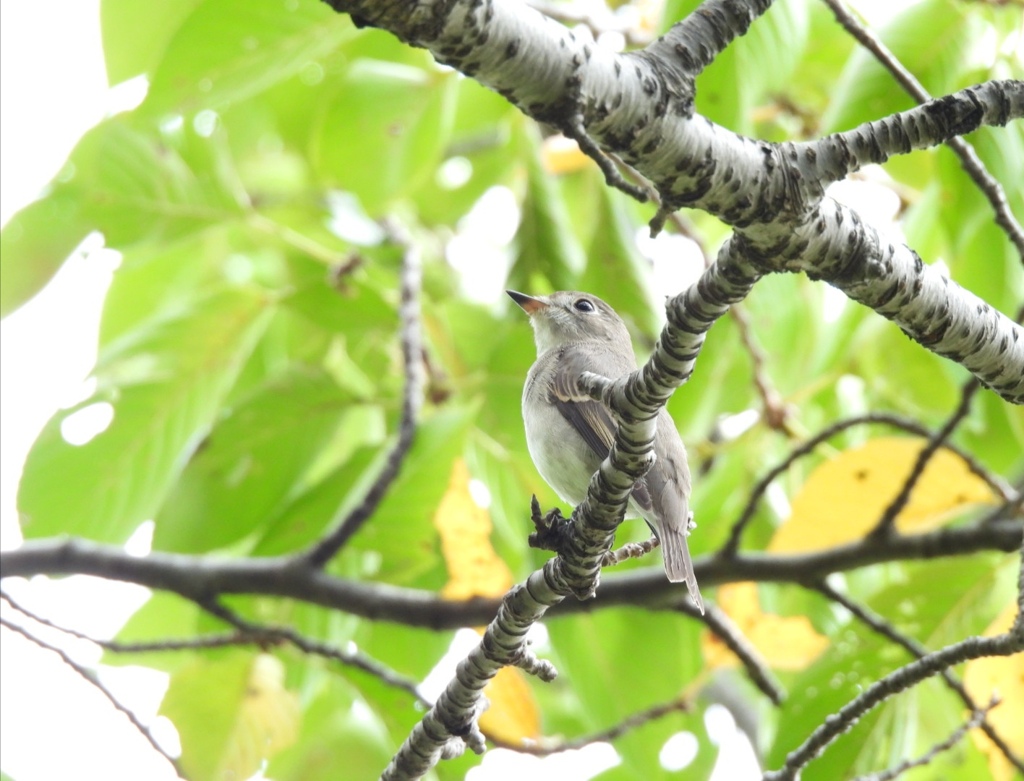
(249, 351)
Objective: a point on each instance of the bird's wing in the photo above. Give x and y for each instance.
(590, 418)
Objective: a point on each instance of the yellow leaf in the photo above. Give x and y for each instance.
(786, 643)
(1002, 676)
(842, 499)
(513, 714)
(561, 155)
(268, 719)
(474, 569)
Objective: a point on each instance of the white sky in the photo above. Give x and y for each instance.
(53, 88)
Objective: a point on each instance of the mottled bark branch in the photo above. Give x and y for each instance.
(832, 158)
(696, 40)
(639, 107)
(834, 244)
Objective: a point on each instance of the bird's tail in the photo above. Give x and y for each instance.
(678, 566)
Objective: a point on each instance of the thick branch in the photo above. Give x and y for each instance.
(202, 578)
(638, 106)
(835, 245)
(703, 35)
(830, 159)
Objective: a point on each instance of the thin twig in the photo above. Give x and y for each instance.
(977, 717)
(938, 439)
(247, 634)
(227, 639)
(609, 22)
(353, 658)
(882, 627)
(775, 413)
(718, 622)
(906, 424)
(574, 129)
(631, 550)
(409, 314)
(727, 631)
(968, 157)
(90, 677)
(897, 681)
(544, 749)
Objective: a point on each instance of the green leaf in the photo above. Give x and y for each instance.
(547, 253)
(340, 734)
(753, 66)
(128, 181)
(600, 649)
(165, 382)
(383, 133)
(838, 676)
(353, 307)
(158, 277)
(251, 462)
(616, 271)
(309, 514)
(229, 50)
(483, 143)
(135, 35)
(203, 701)
(935, 40)
(413, 557)
(35, 243)
(231, 712)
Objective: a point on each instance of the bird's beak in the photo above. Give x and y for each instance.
(529, 304)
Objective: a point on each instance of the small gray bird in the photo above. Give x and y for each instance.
(569, 434)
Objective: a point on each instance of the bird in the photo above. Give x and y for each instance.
(569, 434)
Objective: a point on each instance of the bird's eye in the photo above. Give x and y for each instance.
(583, 305)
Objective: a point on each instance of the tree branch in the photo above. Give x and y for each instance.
(977, 717)
(695, 41)
(757, 669)
(885, 629)
(832, 158)
(639, 106)
(606, 735)
(324, 549)
(201, 578)
(968, 157)
(900, 680)
(747, 514)
(887, 521)
(262, 633)
(90, 677)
